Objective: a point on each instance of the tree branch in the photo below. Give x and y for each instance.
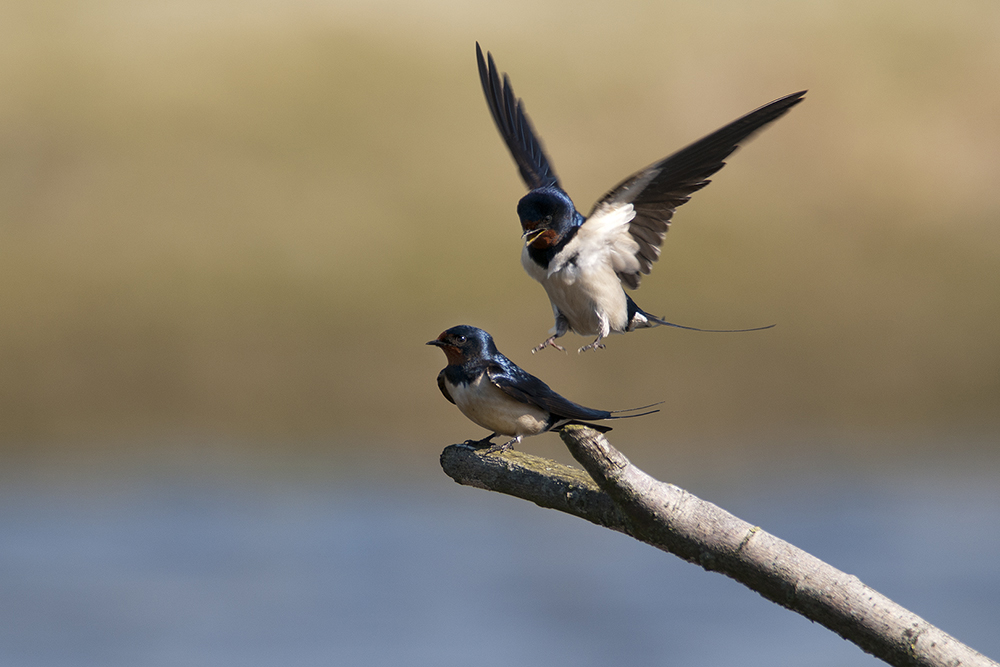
(665, 516)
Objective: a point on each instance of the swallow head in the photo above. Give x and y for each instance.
(546, 215)
(463, 343)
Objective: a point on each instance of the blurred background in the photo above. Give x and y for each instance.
(228, 228)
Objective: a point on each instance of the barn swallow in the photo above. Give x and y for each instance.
(497, 394)
(583, 262)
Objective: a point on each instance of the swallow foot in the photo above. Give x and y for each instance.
(501, 447)
(479, 444)
(596, 345)
(549, 342)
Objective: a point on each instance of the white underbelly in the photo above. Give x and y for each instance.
(584, 297)
(485, 404)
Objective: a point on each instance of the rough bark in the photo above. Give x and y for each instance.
(628, 500)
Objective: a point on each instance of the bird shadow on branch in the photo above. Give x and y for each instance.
(615, 494)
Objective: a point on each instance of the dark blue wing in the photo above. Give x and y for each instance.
(514, 126)
(444, 388)
(528, 389)
(661, 187)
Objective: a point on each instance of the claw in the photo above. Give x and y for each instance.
(596, 345)
(501, 447)
(479, 444)
(549, 342)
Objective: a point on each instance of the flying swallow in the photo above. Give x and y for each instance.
(583, 262)
(497, 394)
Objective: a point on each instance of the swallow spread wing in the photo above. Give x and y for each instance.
(583, 263)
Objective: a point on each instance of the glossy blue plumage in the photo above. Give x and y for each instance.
(494, 392)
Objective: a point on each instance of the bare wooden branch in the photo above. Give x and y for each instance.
(628, 500)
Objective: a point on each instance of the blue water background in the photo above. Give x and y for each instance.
(210, 570)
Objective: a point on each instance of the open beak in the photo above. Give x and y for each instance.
(532, 234)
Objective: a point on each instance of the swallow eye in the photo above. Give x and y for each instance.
(461, 339)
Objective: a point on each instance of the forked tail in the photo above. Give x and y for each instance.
(640, 414)
(640, 319)
(612, 414)
(658, 320)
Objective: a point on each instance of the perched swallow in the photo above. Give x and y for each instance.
(495, 393)
(583, 262)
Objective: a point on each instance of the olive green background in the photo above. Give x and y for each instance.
(234, 225)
